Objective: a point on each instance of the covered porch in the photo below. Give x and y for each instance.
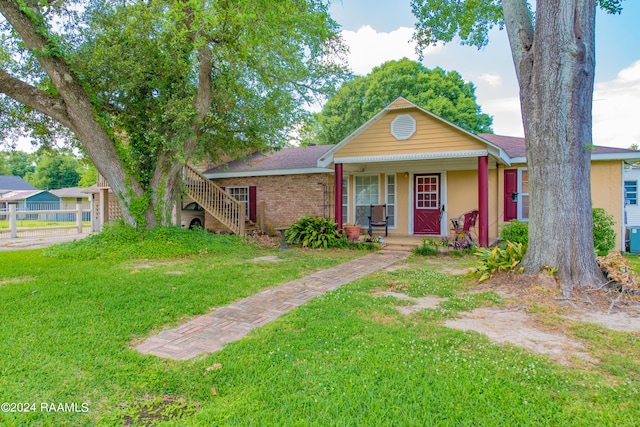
(421, 196)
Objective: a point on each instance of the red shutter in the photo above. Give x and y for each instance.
(510, 187)
(253, 202)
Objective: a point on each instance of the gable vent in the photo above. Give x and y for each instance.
(403, 127)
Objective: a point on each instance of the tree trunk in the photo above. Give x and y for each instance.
(555, 66)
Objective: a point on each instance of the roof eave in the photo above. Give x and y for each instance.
(243, 174)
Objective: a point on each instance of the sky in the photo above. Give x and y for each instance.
(380, 30)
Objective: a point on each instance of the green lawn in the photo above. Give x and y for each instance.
(346, 358)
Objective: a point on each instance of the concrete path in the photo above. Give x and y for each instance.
(24, 243)
(210, 332)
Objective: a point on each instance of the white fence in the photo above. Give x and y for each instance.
(35, 223)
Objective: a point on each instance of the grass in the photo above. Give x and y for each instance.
(346, 358)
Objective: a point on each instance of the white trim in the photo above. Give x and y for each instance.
(395, 195)
(444, 221)
(519, 207)
(604, 156)
(412, 156)
(616, 156)
(267, 173)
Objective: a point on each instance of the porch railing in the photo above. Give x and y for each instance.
(224, 208)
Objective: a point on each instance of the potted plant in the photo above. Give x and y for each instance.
(352, 230)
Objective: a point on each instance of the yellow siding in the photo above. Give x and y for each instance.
(606, 191)
(400, 103)
(432, 136)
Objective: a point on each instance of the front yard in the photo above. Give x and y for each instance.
(350, 357)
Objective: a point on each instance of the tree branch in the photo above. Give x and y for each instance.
(34, 98)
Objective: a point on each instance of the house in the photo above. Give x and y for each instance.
(13, 183)
(70, 196)
(425, 169)
(30, 200)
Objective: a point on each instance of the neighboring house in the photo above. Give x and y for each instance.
(12, 183)
(30, 200)
(70, 196)
(631, 204)
(424, 168)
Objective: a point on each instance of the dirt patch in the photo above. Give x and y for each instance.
(534, 311)
(15, 280)
(269, 258)
(417, 303)
(454, 268)
(154, 264)
(516, 327)
(154, 409)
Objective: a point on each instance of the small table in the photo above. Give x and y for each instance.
(283, 242)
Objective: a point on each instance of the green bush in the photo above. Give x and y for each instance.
(604, 235)
(515, 231)
(499, 259)
(314, 232)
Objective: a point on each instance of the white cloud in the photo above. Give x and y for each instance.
(616, 109)
(507, 119)
(369, 48)
(493, 80)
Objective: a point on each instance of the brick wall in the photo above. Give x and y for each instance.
(283, 199)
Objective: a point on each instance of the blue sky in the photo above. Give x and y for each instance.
(380, 30)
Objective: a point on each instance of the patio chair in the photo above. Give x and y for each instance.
(379, 218)
(461, 229)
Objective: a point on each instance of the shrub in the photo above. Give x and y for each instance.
(604, 235)
(499, 259)
(314, 232)
(515, 231)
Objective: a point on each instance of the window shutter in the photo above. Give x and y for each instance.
(510, 186)
(253, 202)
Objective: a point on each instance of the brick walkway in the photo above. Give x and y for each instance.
(210, 332)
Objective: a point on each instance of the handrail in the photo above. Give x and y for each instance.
(214, 200)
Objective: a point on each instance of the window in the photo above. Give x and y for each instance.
(523, 194)
(345, 199)
(241, 194)
(367, 194)
(390, 200)
(631, 193)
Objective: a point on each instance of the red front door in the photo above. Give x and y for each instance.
(426, 204)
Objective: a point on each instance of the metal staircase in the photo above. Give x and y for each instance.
(227, 210)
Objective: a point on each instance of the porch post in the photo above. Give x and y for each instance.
(337, 207)
(483, 200)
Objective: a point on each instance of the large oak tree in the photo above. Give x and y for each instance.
(553, 49)
(144, 86)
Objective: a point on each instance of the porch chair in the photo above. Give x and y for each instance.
(379, 218)
(461, 229)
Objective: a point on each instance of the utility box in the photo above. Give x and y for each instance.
(634, 240)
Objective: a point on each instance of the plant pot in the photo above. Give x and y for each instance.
(353, 232)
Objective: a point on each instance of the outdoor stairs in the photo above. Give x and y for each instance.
(214, 200)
